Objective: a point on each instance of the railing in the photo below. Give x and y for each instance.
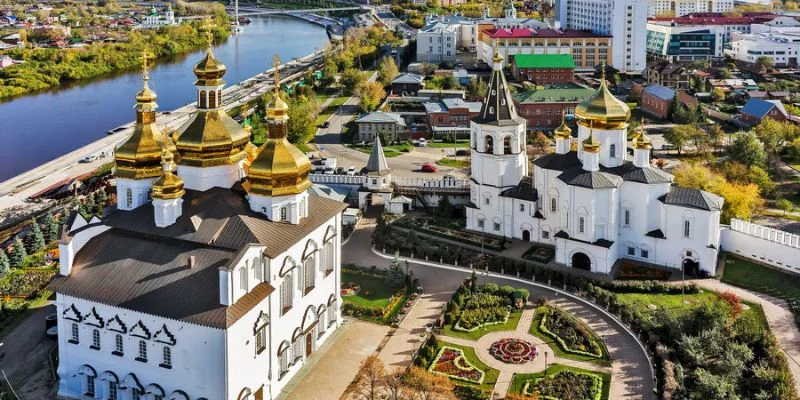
(431, 183)
(766, 233)
(340, 179)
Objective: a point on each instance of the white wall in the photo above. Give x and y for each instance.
(769, 246)
(197, 356)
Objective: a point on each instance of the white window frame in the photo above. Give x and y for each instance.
(143, 350)
(119, 345)
(687, 228)
(96, 338)
(581, 224)
(166, 356)
(75, 333)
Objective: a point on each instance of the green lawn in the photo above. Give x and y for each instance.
(303, 147)
(388, 151)
(561, 352)
(510, 325)
(451, 162)
(374, 291)
(445, 145)
(670, 302)
(490, 374)
(18, 316)
(519, 380)
(326, 113)
(749, 275)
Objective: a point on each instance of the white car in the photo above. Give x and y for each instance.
(422, 142)
(351, 171)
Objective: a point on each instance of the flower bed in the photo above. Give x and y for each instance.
(451, 362)
(540, 254)
(350, 288)
(631, 271)
(513, 351)
(566, 385)
(25, 283)
(572, 335)
(482, 309)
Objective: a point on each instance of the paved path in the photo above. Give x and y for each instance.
(631, 376)
(780, 319)
(329, 371)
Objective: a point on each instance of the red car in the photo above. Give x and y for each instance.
(428, 167)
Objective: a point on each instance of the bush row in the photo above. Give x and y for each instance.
(571, 335)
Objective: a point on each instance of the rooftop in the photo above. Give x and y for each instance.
(385, 117)
(662, 92)
(555, 93)
(544, 61)
(541, 33)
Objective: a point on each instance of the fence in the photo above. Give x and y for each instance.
(339, 179)
(767, 245)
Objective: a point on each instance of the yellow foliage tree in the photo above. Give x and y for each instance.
(741, 200)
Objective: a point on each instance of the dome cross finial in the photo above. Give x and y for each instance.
(603, 72)
(208, 27)
(146, 57)
(276, 62)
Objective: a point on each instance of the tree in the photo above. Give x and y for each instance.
(351, 80)
(741, 200)
(428, 386)
(679, 135)
(775, 135)
(477, 88)
(724, 73)
(302, 124)
(35, 239)
(682, 114)
(370, 379)
(387, 71)
(443, 212)
(394, 387)
(395, 277)
(765, 62)
(718, 94)
(781, 204)
(715, 135)
(473, 282)
(371, 94)
(17, 256)
(540, 140)
(329, 71)
(747, 150)
(4, 264)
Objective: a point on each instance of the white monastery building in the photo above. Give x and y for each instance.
(156, 20)
(680, 8)
(586, 199)
(215, 279)
(624, 20)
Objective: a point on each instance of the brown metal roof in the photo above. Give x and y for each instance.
(138, 266)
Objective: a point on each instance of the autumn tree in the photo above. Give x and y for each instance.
(394, 386)
(477, 88)
(387, 71)
(765, 62)
(371, 94)
(351, 80)
(370, 379)
(329, 71)
(741, 200)
(747, 150)
(428, 386)
(718, 94)
(775, 135)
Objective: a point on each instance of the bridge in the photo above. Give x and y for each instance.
(245, 11)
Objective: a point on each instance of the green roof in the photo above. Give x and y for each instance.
(555, 93)
(544, 61)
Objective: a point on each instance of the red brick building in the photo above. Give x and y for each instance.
(657, 100)
(542, 108)
(756, 109)
(543, 69)
(451, 116)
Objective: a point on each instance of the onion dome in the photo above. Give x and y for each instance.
(603, 109)
(169, 186)
(563, 131)
(280, 168)
(209, 70)
(641, 140)
(591, 144)
(139, 156)
(210, 137)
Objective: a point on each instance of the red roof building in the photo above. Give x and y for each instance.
(587, 49)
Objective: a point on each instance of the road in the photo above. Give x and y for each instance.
(328, 141)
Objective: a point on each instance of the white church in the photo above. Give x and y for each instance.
(589, 202)
(217, 276)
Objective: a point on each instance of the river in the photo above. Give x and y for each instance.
(37, 128)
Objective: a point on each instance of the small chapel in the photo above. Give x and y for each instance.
(218, 274)
(588, 199)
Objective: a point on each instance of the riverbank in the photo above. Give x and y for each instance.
(48, 68)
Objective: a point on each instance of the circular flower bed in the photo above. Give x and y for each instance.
(513, 351)
(350, 288)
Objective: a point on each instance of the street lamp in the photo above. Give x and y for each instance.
(545, 363)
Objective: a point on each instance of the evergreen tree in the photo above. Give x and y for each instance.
(51, 231)
(4, 264)
(473, 282)
(35, 238)
(17, 257)
(395, 277)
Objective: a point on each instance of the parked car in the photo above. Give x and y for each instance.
(88, 158)
(422, 142)
(428, 167)
(326, 124)
(461, 153)
(339, 171)
(351, 171)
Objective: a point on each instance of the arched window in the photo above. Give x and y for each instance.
(581, 224)
(212, 99)
(309, 273)
(297, 345)
(489, 144)
(256, 268)
(219, 97)
(129, 197)
(553, 204)
(284, 213)
(612, 151)
(118, 345)
(202, 99)
(507, 145)
(243, 278)
(283, 359)
(142, 351)
(95, 339)
(166, 357)
(286, 292)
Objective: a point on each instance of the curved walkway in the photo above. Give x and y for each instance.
(507, 371)
(631, 372)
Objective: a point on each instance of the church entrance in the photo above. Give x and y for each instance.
(581, 261)
(690, 267)
(526, 235)
(309, 343)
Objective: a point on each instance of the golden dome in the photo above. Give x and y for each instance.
(209, 70)
(279, 168)
(563, 131)
(139, 156)
(210, 138)
(168, 186)
(603, 109)
(642, 141)
(591, 144)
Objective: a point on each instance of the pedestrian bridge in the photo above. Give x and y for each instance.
(249, 12)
